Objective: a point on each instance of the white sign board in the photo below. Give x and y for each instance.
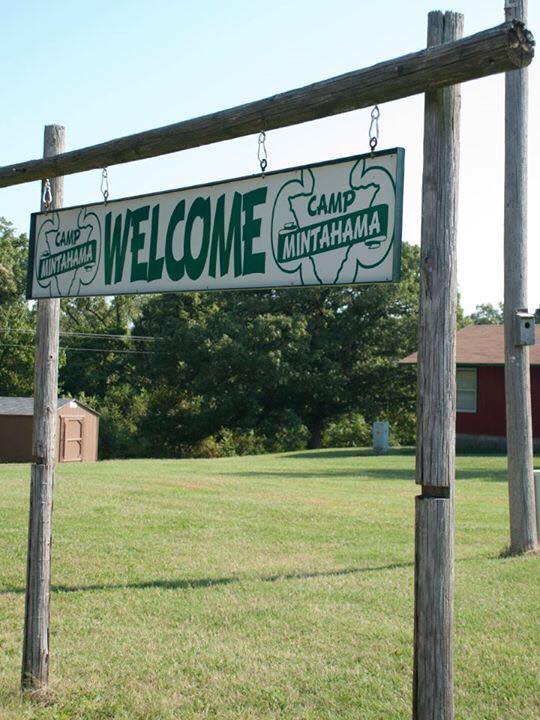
(330, 223)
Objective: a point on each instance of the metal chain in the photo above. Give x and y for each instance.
(262, 154)
(105, 185)
(47, 195)
(374, 128)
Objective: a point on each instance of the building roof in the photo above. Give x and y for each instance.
(25, 405)
(481, 345)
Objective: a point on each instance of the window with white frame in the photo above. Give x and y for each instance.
(466, 381)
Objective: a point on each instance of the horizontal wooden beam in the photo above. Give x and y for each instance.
(506, 47)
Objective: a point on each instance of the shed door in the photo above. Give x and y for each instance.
(72, 439)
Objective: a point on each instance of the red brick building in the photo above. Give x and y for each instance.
(481, 414)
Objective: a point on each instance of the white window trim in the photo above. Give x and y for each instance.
(467, 390)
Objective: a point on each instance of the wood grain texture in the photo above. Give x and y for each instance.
(436, 406)
(35, 662)
(433, 610)
(492, 51)
(523, 533)
(435, 461)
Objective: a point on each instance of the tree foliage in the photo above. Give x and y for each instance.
(487, 314)
(16, 318)
(247, 360)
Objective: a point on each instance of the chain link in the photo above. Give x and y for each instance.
(105, 185)
(262, 154)
(374, 128)
(47, 195)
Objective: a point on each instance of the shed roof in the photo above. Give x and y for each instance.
(481, 345)
(25, 405)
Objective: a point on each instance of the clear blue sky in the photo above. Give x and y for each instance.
(106, 69)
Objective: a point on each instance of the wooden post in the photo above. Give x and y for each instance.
(523, 535)
(432, 681)
(35, 662)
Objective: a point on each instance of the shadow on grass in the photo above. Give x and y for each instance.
(363, 474)
(406, 451)
(195, 583)
(347, 452)
(360, 474)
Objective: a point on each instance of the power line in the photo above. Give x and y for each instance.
(104, 336)
(86, 349)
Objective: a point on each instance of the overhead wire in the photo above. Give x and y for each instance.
(97, 335)
(110, 351)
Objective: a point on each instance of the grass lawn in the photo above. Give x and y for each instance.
(262, 587)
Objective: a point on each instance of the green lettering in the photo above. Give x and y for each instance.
(234, 234)
(139, 270)
(335, 203)
(175, 268)
(253, 262)
(200, 209)
(348, 198)
(115, 250)
(155, 264)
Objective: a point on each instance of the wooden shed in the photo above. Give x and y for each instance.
(76, 434)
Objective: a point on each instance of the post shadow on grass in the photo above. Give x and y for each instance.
(363, 474)
(347, 452)
(406, 451)
(195, 583)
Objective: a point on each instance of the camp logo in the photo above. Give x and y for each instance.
(72, 253)
(327, 225)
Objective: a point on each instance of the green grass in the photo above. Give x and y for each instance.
(262, 587)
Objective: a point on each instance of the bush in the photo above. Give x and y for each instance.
(284, 432)
(208, 447)
(226, 443)
(122, 410)
(403, 428)
(349, 430)
(240, 442)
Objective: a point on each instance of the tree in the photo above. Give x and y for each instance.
(95, 356)
(16, 318)
(99, 367)
(248, 360)
(487, 314)
(217, 360)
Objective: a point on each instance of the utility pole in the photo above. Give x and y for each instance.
(523, 535)
(35, 662)
(433, 691)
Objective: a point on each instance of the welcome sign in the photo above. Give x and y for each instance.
(330, 223)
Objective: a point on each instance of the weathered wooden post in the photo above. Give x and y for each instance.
(35, 662)
(433, 615)
(523, 535)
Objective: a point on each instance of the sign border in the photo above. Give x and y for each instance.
(396, 267)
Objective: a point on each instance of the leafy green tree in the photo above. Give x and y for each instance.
(487, 314)
(99, 367)
(355, 337)
(216, 362)
(16, 318)
(122, 409)
(96, 358)
(247, 360)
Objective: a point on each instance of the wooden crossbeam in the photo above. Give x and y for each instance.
(505, 47)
